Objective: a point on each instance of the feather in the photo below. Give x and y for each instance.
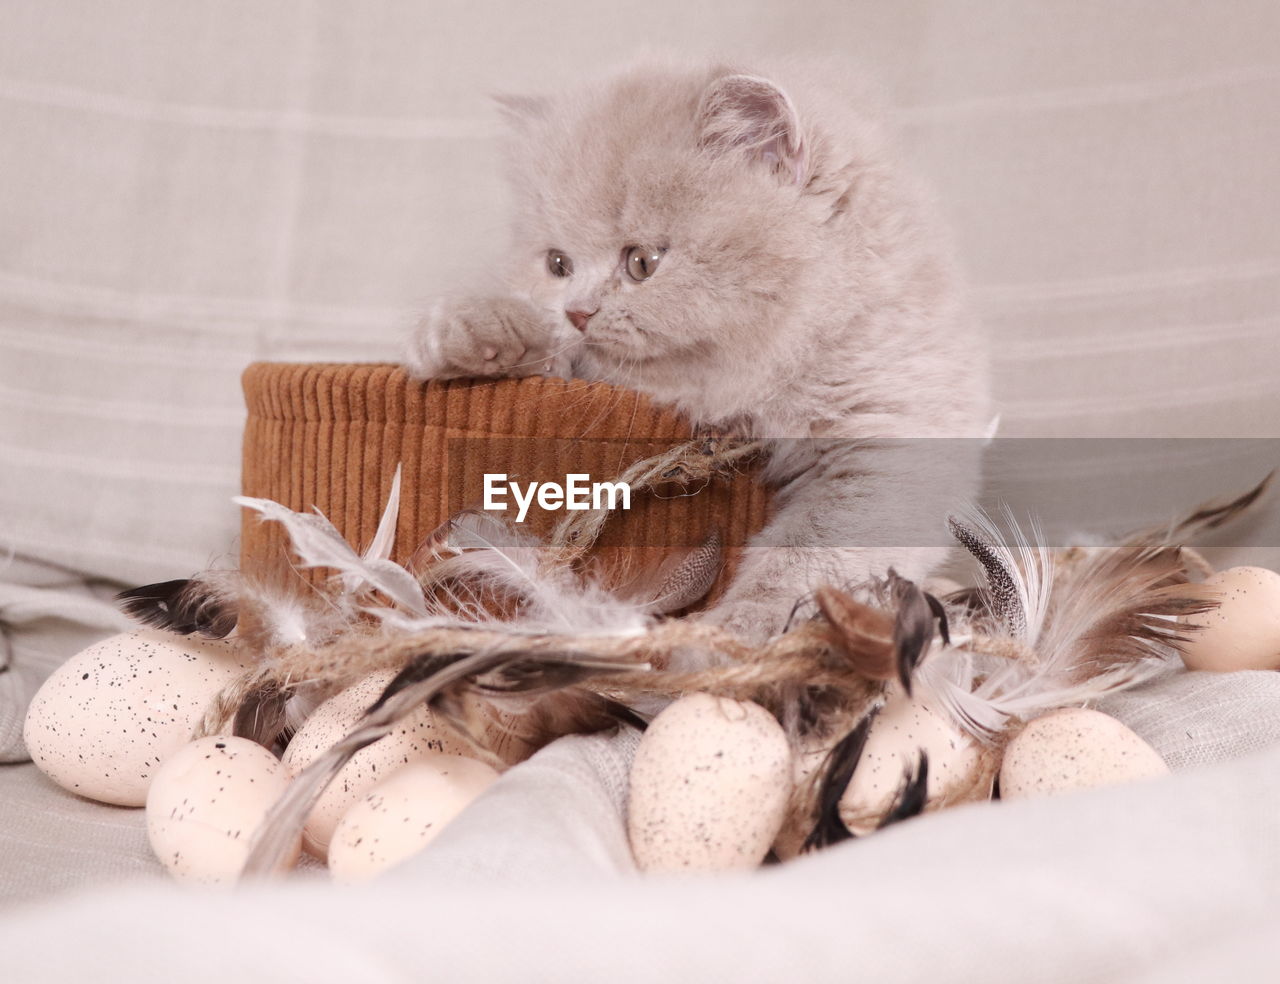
(205, 605)
(946, 682)
(1028, 695)
(878, 645)
(216, 603)
(970, 601)
(865, 633)
(385, 537)
(279, 830)
(283, 616)
(318, 544)
(682, 579)
(483, 568)
(262, 716)
(1122, 605)
(1127, 602)
(424, 680)
(379, 549)
(488, 570)
(436, 546)
(624, 714)
(913, 626)
(837, 773)
(543, 719)
(912, 794)
(1206, 516)
(1001, 594)
(1019, 574)
(1099, 621)
(939, 611)
(576, 711)
(302, 703)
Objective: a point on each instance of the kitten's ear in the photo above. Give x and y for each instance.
(751, 116)
(520, 111)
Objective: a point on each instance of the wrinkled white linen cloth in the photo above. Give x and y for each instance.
(1172, 880)
(46, 614)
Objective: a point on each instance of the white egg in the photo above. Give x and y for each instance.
(1075, 748)
(1243, 632)
(709, 786)
(206, 803)
(418, 736)
(900, 732)
(404, 813)
(108, 717)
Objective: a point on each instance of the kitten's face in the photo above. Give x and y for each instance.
(650, 241)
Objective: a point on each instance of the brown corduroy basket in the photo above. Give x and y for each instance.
(330, 436)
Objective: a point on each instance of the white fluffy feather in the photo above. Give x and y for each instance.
(473, 559)
(318, 544)
(983, 693)
(482, 555)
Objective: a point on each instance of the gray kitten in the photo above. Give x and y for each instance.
(746, 249)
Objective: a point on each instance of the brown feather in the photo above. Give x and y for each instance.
(865, 634)
(207, 604)
(1210, 515)
(918, 615)
(682, 579)
(1120, 605)
(261, 717)
(1128, 603)
(435, 679)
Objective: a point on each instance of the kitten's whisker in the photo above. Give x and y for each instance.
(548, 357)
(615, 399)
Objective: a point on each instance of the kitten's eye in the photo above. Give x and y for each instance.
(559, 264)
(642, 261)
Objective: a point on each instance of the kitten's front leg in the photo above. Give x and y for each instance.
(856, 510)
(489, 336)
(772, 581)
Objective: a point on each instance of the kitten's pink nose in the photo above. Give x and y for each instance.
(580, 318)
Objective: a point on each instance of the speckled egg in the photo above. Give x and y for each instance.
(418, 736)
(207, 801)
(900, 732)
(107, 718)
(404, 813)
(709, 786)
(1075, 748)
(1243, 632)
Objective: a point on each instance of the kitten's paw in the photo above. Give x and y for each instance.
(487, 336)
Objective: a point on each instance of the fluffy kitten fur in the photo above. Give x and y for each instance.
(806, 291)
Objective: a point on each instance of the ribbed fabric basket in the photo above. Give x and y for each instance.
(331, 436)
